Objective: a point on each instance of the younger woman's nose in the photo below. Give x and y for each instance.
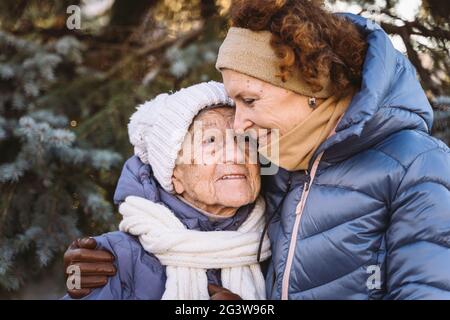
(241, 121)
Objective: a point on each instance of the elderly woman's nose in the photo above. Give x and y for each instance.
(233, 153)
(241, 121)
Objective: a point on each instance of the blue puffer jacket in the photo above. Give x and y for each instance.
(379, 207)
(140, 275)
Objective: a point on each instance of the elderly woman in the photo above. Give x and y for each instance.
(192, 183)
(360, 207)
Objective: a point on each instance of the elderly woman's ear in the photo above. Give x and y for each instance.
(177, 182)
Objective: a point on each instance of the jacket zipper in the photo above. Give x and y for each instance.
(298, 214)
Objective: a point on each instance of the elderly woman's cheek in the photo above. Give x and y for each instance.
(254, 180)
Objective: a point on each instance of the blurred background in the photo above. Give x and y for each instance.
(73, 71)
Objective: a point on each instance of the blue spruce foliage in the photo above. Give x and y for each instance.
(48, 189)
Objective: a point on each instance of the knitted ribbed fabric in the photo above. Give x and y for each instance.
(250, 52)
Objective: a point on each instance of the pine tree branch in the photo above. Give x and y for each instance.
(405, 33)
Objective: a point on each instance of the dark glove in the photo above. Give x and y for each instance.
(220, 293)
(95, 265)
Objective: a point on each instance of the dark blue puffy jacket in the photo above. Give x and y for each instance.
(379, 207)
(140, 275)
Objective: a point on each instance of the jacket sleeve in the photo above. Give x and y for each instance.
(418, 237)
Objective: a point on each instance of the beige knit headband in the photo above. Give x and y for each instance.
(250, 52)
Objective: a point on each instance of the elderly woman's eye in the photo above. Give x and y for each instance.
(211, 139)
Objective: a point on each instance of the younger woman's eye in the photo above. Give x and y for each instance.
(211, 139)
(248, 101)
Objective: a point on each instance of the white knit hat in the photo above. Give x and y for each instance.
(158, 127)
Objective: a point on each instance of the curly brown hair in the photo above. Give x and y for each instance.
(307, 37)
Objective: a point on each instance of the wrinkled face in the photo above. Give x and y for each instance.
(261, 105)
(212, 170)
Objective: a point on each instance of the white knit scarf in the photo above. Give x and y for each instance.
(187, 254)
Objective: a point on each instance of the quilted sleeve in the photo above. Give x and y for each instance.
(418, 236)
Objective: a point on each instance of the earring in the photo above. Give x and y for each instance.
(312, 102)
